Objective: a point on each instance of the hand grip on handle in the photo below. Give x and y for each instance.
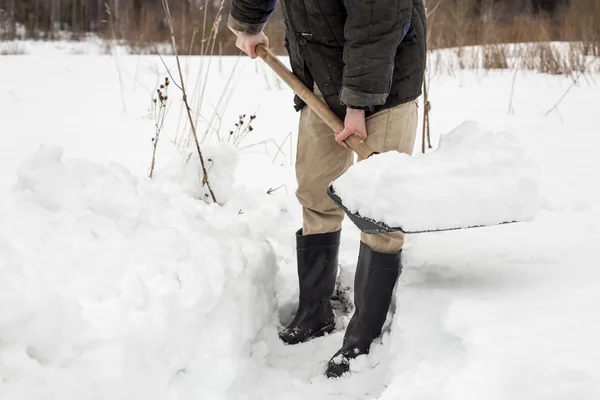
(317, 105)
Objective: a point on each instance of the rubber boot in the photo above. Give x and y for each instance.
(374, 281)
(317, 271)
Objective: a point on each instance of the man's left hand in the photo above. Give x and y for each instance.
(354, 124)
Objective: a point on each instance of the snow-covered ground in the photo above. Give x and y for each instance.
(116, 286)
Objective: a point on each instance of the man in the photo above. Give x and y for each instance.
(365, 59)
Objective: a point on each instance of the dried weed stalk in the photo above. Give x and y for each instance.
(242, 128)
(115, 51)
(574, 83)
(160, 113)
(205, 180)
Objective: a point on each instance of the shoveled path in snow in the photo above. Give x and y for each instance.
(499, 312)
(505, 312)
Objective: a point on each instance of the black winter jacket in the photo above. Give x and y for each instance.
(367, 54)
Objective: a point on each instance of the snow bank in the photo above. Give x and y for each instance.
(474, 178)
(185, 170)
(113, 287)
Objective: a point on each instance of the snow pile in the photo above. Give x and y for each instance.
(113, 287)
(185, 170)
(474, 178)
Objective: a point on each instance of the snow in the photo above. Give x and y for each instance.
(113, 285)
(110, 279)
(474, 178)
(185, 170)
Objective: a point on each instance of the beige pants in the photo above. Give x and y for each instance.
(321, 160)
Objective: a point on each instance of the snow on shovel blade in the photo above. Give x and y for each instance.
(368, 225)
(474, 179)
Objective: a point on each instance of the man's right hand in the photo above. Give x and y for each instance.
(247, 42)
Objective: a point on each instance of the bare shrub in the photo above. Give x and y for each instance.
(494, 25)
(550, 60)
(576, 58)
(181, 86)
(495, 56)
(582, 24)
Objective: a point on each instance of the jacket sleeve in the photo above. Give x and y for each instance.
(250, 16)
(373, 31)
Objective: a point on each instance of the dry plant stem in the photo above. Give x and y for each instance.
(215, 29)
(204, 27)
(273, 190)
(202, 79)
(280, 147)
(240, 135)
(426, 109)
(428, 126)
(426, 77)
(155, 145)
(582, 73)
(194, 33)
(187, 71)
(424, 112)
(226, 94)
(165, 65)
(159, 122)
(198, 100)
(115, 53)
(213, 34)
(429, 14)
(137, 68)
(511, 110)
(185, 101)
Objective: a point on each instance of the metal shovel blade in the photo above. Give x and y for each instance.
(366, 225)
(370, 226)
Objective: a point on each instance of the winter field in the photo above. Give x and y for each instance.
(115, 286)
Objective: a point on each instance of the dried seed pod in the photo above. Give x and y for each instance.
(252, 117)
(250, 128)
(162, 86)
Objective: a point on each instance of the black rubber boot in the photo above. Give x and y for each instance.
(317, 270)
(376, 276)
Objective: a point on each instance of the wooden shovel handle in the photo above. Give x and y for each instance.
(316, 104)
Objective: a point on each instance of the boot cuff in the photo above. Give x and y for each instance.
(318, 240)
(379, 260)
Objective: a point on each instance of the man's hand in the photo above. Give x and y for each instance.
(247, 42)
(354, 124)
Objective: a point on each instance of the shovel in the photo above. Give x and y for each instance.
(363, 150)
(366, 225)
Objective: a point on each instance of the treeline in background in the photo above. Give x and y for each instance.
(139, 23)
